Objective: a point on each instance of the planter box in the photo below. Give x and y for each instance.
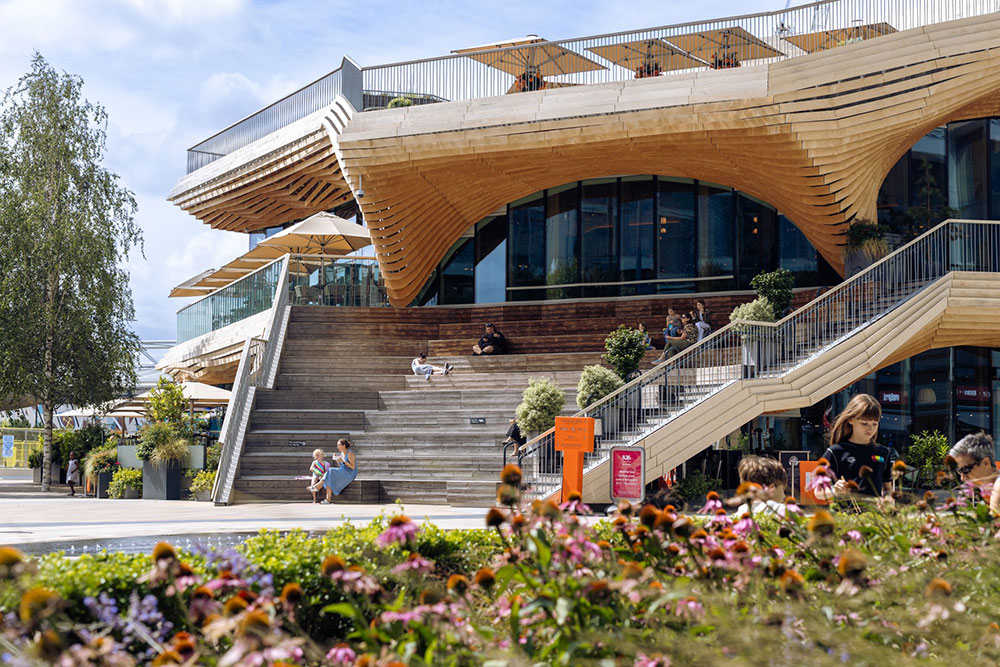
(132, 494)
(36, 475)
(103, 481)
(195, 458)
(202, 496)
(161, 482)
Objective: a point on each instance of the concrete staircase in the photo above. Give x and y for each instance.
(345, 373)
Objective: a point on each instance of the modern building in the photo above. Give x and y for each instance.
(559, 189)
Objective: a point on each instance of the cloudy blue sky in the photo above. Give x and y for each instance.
(173, 72)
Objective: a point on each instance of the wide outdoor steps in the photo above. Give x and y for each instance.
(436, 441)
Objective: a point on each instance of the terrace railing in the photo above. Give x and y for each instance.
(257, 369)
(719, 43)
(318, 280)
(748, 350)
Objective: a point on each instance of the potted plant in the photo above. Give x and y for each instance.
(865, 245)
(100, 466)
(126, 483)
(596, 382)
(541, 403)
(696, 486)
(35, 463)
(161, 450)
(754, 350)
(202, 482)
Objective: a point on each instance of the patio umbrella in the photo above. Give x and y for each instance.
(320, 234)
(531, 55)
(656, 52)
(715, 46)
(828, 39)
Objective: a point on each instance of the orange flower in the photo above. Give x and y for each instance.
(937, 587)
(332, 564)
(494, 518)
(291, 594)
(510, 474)
(485, 578)
(458, 584)
(821, 523)
(792, 582)
(851, 563)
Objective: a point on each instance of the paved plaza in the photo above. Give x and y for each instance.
(29, 517)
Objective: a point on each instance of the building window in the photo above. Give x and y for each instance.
(527, 241)
(675, 234)
(491, 260)
(967, 171)
(599, 253)
(457, 281)
(636, 233)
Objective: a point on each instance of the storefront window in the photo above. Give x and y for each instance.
(967, 168)
(562, 240)
(636, 232)
(599, 213)
(676, 228)
(527, 241)
(491, 260)
(457, 281)
(715, 235)
(755, 225)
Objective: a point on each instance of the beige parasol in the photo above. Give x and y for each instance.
(723, 47)
(828, 39)
(530, 56)
(655, 54)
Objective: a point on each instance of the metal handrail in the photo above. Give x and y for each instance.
(743, 351)
(257, 369)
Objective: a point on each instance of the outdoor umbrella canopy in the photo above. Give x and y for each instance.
(320, 234)
(828, 39)
(199, 393)
(531, 54)
(712, 45)
(656, 52)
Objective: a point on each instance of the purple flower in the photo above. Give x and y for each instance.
(341, 654)
(401, 529)
(643, 660)
(414, 563)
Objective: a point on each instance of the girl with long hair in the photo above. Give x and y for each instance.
(858, 463)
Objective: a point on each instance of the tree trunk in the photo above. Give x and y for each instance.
(47, 417)
(48, 406)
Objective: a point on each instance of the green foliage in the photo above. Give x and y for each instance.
(101, 460)
(170, 451)
(696, 485)
(398, 102)
(125, 478)
(758, 310)
(213, 453)
(926, 452)
(203, 480)
(867, 237)
(933, 206)
(82, 441)
(66, 231)
(596, 382)
(776, 287)
(152, 436)
(167, 403)
(35, 459)
(541, 403)
(14, 419)
(625, 348)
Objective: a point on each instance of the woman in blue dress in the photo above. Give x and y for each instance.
(339, 476)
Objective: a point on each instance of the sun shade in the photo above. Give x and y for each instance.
(828, 39)
(654, 53)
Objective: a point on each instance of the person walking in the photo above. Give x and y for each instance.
(338, 476)
(72, 473)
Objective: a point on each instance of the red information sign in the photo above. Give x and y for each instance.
(628, 473)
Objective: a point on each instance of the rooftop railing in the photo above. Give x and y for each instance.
(751, 350)
(717, 44)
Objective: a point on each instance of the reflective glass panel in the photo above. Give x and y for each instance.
(967, 168)
(715, 232)
(636, 231)
(491, 260)
(457, 281)
(562, 239)
(599, 211)
(527, 241)
(755, 225)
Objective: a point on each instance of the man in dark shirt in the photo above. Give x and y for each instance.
(491, 342)
(848, 458)
(514, 435)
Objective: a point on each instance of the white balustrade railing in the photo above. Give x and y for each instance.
(749, 350)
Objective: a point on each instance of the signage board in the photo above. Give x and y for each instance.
(8, 446)
(790, 460)
(628, 474)
(574, 434)
(807, 470)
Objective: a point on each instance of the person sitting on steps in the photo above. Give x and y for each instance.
(339, 476)
(685, 339)
(421, 367)
(492, 342)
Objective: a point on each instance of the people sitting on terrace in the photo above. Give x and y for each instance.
(422, 368)
(687, 337)
(647, 69)
(342, 473)
(492, 342)
(529, 80)
(672, 324)
(702, 318)
(725, 61)
(645, 336)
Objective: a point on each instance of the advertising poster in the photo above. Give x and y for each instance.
(628, 473)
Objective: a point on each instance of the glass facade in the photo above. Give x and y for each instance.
(623, 236)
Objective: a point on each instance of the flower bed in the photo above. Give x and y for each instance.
(537, 586)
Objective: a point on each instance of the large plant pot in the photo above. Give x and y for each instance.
(36, 475)
(103, 481)
(132, 494)
(203, 496)
(161, 482)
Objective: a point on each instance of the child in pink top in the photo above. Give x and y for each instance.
(318, 471)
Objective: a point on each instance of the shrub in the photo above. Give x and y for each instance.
(696, 485)
(100, 461)
(541, 403)
(625, 348)
(776, 287)
(596, 382)
(35, 459)
(203, 480)
(82, 441)
(171, 451)
(926, 452)
(125, 478)
(212, 455)
(398, 102)
(867, 238)
(167, 402)
(153, 435)
(758, 310)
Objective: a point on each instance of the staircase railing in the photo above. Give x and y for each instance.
(257, 368)
(747, 350)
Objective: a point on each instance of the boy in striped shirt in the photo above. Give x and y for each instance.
(318, 471)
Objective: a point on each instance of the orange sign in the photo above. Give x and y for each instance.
(806, 474)
(574, 434)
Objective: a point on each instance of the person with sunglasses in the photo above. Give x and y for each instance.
(973, 456)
